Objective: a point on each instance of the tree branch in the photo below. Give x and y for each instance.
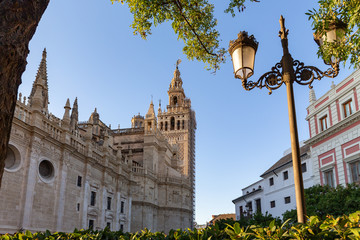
(178, 4)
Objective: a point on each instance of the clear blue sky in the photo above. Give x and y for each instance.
(93, 55)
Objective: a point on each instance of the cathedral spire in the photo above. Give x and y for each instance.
(151, 112)
(150, 120)
(159, 109)
(41, 84)
(74, 116)
(66, 117)
(95, 117)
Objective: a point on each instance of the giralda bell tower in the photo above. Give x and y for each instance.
(178, 125)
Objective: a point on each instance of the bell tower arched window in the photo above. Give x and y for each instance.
(172, 123)
(175, 100)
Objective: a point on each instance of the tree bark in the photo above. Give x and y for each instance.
(18, 22)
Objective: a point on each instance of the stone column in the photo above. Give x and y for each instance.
(85, 203)
(103, 207)
(61, 192)
(129, 215)
(117, 211)
(31, 181)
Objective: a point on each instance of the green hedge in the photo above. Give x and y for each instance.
(325, 200)
(344, 227)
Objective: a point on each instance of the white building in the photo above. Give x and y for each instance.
(274, 193)
(251, 201)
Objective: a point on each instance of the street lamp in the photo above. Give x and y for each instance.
(287, 71)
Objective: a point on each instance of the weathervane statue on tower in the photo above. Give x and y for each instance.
(177, 63)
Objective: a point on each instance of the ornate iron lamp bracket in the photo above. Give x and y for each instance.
(305, 75)
(271, 80)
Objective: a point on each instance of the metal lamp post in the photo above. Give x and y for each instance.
(287, 71)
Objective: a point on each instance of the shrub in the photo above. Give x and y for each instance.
(343, 227)
(324, 200)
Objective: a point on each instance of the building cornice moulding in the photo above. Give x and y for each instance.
(334, 129)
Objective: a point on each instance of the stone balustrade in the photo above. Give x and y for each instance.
(54, 131)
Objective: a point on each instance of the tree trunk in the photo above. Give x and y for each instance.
(18, 22)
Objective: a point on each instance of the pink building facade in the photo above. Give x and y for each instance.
(334, 127)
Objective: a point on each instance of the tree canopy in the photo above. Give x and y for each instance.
(193, 22)
(348, 12)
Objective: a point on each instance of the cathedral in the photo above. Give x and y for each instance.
(62, 173)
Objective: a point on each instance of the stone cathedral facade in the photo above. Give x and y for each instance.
(62, 174)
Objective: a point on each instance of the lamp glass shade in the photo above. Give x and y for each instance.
(334, 35)
(243, 59)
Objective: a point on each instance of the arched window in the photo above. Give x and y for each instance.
(172, 123)
(166, 126)
(175, 100)
(183, 124)
(178, 125)
(161, 125)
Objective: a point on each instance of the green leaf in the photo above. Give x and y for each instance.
(355, 231)
(272, 224)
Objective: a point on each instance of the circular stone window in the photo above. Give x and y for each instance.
(46, 170)
(12, 161)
